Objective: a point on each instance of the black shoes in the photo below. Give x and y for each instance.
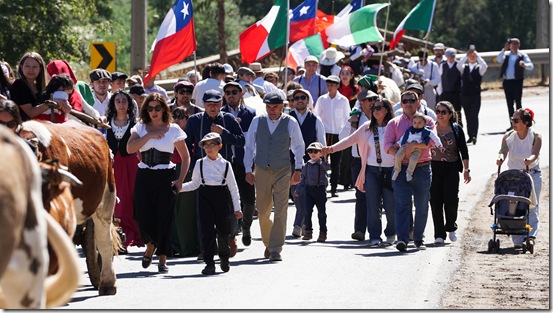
(162, 268)
(209, 270)
(146, 261)
(472, 139)
(401, 246)
(246, 237)
(225, 266)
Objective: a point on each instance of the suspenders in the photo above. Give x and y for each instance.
(202, 172)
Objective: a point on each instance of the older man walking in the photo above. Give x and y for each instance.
(268, 142)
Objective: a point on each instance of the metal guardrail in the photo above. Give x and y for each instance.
(540, 58)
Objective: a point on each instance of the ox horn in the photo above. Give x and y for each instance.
(70, 178)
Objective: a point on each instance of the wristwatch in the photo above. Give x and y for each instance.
(467, 170)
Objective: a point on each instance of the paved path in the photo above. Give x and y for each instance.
(338, 274)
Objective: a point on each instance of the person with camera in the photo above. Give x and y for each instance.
(472, 68)
(515, 64)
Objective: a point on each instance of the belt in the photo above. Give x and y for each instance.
(153, 157)
(423, 164)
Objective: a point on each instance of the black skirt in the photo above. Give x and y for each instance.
(154, 203)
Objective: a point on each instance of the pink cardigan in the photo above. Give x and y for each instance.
(361, 138)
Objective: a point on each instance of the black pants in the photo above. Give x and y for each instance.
(513, 94)
(454, 98)
(471, 105)
(154, 203)
(335, 160)
(315, 195)
(444, 197)
(247, 195)
(360, 219)
(214, 209)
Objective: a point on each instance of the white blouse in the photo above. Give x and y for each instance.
(165, 144)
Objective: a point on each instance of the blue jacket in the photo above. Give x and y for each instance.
(195, 131)
(246, 115)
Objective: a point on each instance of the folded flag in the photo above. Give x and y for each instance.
(175, 39)
(420, 18)
(266, 35)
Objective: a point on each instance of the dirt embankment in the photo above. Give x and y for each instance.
(504, 280)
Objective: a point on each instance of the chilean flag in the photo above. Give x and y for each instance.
(302, 20)
(175, 40)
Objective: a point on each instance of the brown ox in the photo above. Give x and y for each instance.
(85, 152)
(24, 229)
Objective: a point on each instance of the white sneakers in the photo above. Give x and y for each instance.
(452, 236)
(296, 232)
(439, 241)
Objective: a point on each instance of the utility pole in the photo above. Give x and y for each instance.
(138, 35)
(542, 31)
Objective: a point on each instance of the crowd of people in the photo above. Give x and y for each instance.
(193, 171)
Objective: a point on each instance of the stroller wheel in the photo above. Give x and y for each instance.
(490, 245)
(497, 245)
(530, 243)
(524, 248)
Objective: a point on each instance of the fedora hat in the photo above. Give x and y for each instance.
(330, 56)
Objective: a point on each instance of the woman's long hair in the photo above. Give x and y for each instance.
(145, 116)
(112, 111)
(450, 109)
(41, 78)
(389, 114)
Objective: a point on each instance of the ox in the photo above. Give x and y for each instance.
(24, 229)
(388, 89)
(85, 152)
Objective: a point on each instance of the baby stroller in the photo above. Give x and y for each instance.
(513, 189)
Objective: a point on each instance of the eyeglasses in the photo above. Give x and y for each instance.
(405, 101)
(313, 151)
(184, 92)
(515, 120)
(231, 92)
(377, 108)
(372, 98)
(210, 145)
(298, 98)
(442, 112)
(10, 124)
(158, 108)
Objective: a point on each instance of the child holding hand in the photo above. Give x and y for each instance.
(217, 189)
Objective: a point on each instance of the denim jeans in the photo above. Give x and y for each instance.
(419, 189)
(375, 195)
(360, 220)
(533, 214)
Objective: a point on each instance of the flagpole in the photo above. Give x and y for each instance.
(287, 41)
(195, 71)
(384, 41)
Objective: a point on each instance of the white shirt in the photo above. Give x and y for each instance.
(203, 86)
(158, 89)
(165, 144)
(430, 71)
(387, 159)
(296, 140)
(101, 106)
(214, 171)
(479, 61)
(267, 87)
(319, 126)
(334, 112)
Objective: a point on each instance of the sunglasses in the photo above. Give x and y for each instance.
(184, 92)
(377, 108)
(372, 98)
(442, 112)
(210, 145)
(515, 120)
(405, 101)
(158, 108)
(298, 98)
(231, 92)
(313, 151)
(10, 124)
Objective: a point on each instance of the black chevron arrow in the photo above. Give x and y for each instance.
(106, 56)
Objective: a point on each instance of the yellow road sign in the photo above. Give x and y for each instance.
(102, 55)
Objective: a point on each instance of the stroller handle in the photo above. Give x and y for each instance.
(499, 169)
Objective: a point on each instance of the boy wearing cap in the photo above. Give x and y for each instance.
(118, 80)
(100, 80)
(217, 189)
(314, 180)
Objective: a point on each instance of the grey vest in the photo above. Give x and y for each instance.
(272, 150)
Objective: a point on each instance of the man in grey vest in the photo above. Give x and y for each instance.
(269, 139)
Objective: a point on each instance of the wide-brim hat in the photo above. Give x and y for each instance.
(256, 67)
(331, 56)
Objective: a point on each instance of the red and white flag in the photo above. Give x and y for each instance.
(420, 18)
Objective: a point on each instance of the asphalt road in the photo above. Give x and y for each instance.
(338, 274)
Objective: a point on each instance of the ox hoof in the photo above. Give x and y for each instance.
(107, 291)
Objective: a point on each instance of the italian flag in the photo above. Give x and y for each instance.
(357, 27)
(266, 35)
(301, 49)
(420, 18)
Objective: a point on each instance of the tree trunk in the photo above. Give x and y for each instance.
(221, 27)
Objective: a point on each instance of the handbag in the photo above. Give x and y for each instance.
(385, 178)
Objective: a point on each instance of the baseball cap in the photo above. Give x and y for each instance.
(333, 79)
(315, 146)
(212, 95)
(311, 58)
(138, 90)
(450, 52)
(244, 70)
(182, 84)
(209, 137)
(274, 97)
(234, 84)
(228, 68)
(98, 74)
(439, 46)
(364, 94)
(136, 79)
(117, 75)
(415, 86)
